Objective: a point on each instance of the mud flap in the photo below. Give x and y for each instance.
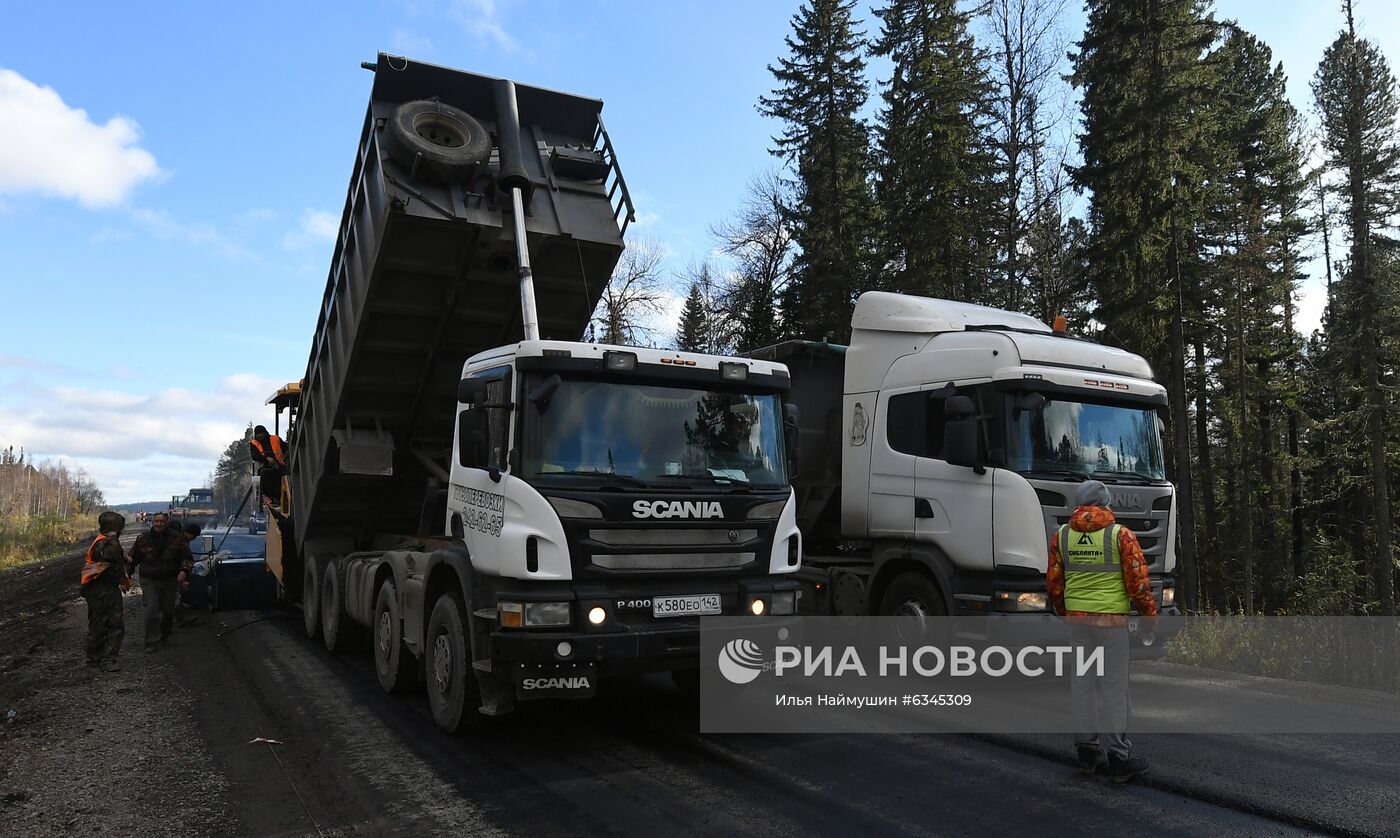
(497, 698)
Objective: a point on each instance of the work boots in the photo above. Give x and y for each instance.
(1122, 770)
(1090, 758)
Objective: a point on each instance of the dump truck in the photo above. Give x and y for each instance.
(509, 512)
(942, 447)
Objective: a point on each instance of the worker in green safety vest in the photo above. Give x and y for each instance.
(1096, 577)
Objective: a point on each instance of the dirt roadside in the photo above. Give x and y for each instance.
(84, 752)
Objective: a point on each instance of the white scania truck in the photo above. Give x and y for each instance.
(514, 522)
(942, 447)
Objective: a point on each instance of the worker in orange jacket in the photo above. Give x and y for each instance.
(104, 576)
(1096, 577)
(269, 455)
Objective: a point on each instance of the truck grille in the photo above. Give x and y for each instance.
(630, 538)
(671, 561)
(674, 549)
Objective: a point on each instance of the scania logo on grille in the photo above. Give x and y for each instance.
(1126, 500)
(733, 536)
(677, 509)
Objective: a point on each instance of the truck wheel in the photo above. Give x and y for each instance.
(393, 663)
(310, 596)
(337, 629)
(445, 141)
(452, 688)
(914, 598)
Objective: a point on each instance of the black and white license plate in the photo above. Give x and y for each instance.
(685, 606)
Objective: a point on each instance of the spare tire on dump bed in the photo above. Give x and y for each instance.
(451, 143)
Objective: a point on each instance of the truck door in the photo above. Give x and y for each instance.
(952, 505)
(482, 455)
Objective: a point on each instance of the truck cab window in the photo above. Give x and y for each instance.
(483, 430)
(914, 423)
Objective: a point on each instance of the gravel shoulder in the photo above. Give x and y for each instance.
(85, 752)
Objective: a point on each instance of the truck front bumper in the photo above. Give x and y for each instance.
(630, 640)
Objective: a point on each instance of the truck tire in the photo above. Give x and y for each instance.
(311, 597)
(337, 628)
(446, 143)
(912, 594)
(393, 662)
(915, 599)
(451, 682)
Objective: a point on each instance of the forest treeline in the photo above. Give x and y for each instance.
(1148, 178)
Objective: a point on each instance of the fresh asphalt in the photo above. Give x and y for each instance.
(345, 758)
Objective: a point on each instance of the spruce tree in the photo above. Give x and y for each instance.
(936, 187)
(1141, 69)
(1357, 101)
(692, 334)
(820, 93)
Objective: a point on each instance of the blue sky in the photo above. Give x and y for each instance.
(172, 174)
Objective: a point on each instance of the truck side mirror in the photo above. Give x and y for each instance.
(962, 442)
(542, 393)
(1029, 403)
(471, 390)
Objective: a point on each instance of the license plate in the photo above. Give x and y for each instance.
(685, 606)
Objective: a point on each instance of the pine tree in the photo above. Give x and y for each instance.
(820, 92)
(936, 188)
(1357, 100)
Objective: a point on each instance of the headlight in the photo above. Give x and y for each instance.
(1168, 596)
(1022, 601)
(784, 603)
(546, 614)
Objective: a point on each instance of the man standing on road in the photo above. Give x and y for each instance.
(1095, 577)
(162, 554)
(104, 577)
(270, 456)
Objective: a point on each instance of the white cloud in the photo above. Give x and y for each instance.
(407, 43)
(315, 227)
(60, 151)
(137, 446)
(164, 226)
(479, 18)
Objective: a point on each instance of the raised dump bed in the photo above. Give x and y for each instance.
(424, 275)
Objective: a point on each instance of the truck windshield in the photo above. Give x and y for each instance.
(645, 435)
(1108, 442)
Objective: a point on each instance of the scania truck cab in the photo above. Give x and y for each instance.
(941, 449)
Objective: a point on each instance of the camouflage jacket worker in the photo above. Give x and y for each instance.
(109, 550)
(161, 556)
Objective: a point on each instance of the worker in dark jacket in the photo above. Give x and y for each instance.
(104, 577)
(269, 456)
(161, 554)
(1095, 577)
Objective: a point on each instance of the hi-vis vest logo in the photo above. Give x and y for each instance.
(1085, 538)
(677, 509)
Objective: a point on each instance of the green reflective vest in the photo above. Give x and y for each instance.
(1093, 571)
